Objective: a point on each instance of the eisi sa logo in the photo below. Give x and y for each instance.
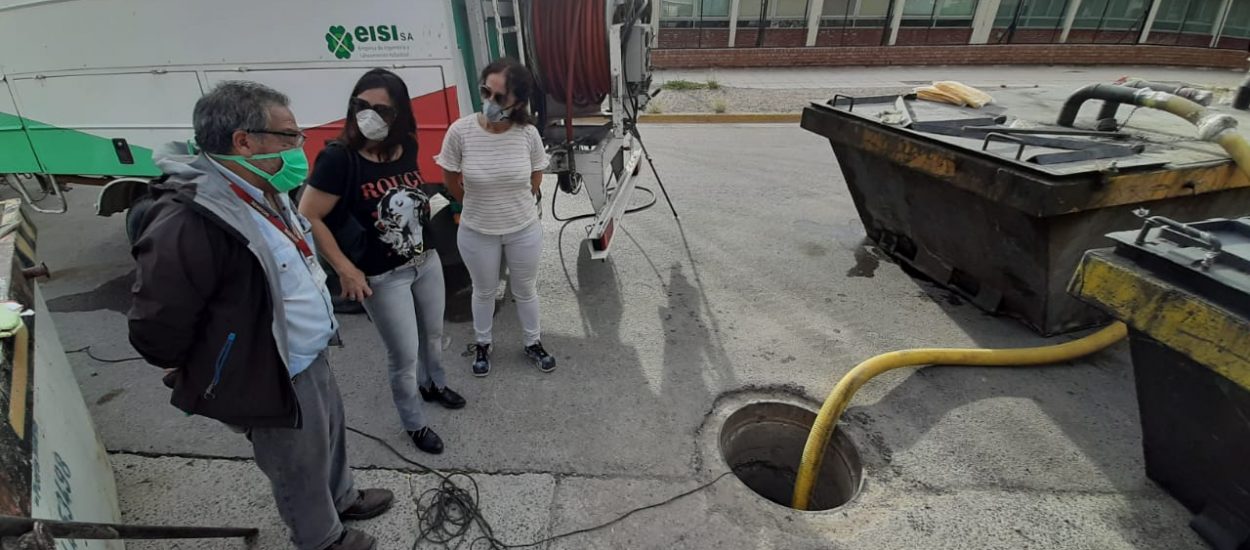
(342, 42)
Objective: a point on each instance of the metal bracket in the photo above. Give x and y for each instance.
(1004, 137)
(1092, 153)
(1078, 151)
(54, 188)
(1214, 246)
(852, 101)
(1053, 132)
(40, 534)
(960, 127)
(834, 102)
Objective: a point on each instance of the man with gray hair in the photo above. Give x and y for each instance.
(230, 300)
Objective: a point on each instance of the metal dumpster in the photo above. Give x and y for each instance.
(1184, 291)
(52, 464)
(999, 204)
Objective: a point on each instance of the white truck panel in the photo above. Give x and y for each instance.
(41, 37)
(126, 100)
(319, 95)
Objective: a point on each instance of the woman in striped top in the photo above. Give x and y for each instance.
(493, 164)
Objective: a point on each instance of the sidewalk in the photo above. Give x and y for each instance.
(992, 76)
(788, 90)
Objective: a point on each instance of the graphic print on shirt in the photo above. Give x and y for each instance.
(402, 213)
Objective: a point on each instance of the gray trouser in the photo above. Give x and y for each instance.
(407, 308)
(522, 251)
(307, 467)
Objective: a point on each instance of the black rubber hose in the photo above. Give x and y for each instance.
(1242, 100)
(1106, 92)
(1187, 91)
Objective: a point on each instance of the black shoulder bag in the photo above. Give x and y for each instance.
(351, 236)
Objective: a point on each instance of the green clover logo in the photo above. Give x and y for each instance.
(339, 42)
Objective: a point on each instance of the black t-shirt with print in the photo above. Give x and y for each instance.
(384, 198)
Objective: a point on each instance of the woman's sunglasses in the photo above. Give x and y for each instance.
(387, 112)
(490, 95)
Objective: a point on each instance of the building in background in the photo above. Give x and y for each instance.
(738, 24)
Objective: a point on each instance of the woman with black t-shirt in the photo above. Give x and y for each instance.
(370, 219)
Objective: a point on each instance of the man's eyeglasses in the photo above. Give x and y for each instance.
(490, 95)
(387, 112)
(299, 137)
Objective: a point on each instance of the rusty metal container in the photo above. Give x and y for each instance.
(999, 204)
(1184, 291)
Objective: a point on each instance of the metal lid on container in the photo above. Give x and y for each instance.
(1210, 258)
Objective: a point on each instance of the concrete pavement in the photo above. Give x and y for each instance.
(762, 291)
(979, 76)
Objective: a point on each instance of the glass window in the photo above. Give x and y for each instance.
(1170, 16)
(672, 9)
(1201, 17)
(873, 8)
(1043, 14)
(790, 9)
(1238, 25)
(1006, 12)
(749, 10)
(1090, 14)
(1110, 14)
(918, 8)
(1126, 14)
(838, 8)
(715, 8)
(957, 8)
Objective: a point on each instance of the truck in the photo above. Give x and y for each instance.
(89, 88)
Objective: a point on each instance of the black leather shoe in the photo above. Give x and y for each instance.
(427, 440)
(445, 397)
(354, 540)
(370, 504)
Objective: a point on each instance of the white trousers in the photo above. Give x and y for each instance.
(521, 252)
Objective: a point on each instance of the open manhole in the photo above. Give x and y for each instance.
(763, 444)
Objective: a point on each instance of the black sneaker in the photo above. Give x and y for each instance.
(481, 364)
(543, 360)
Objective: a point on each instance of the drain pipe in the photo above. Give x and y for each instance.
(1214, 127)
(1106, 115)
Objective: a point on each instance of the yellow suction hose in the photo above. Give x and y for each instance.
(835, 405)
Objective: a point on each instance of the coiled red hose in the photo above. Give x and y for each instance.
(571, 47)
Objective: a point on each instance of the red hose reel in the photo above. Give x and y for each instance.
(571, 49)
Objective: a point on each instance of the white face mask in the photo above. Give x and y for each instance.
(371, 125)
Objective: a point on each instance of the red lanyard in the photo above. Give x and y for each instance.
(296, 238)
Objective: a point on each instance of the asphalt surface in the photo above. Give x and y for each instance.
(762, 290)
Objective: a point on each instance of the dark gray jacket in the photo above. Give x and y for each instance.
(207, 300)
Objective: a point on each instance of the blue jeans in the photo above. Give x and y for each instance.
(407, 308)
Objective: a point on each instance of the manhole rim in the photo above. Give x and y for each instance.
(727, 405)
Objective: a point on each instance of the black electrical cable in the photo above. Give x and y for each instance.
(446, 513)
(636, 209)
(87, 350)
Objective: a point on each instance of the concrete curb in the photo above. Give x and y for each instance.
(728, 118)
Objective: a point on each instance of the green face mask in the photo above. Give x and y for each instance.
(292, 174)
